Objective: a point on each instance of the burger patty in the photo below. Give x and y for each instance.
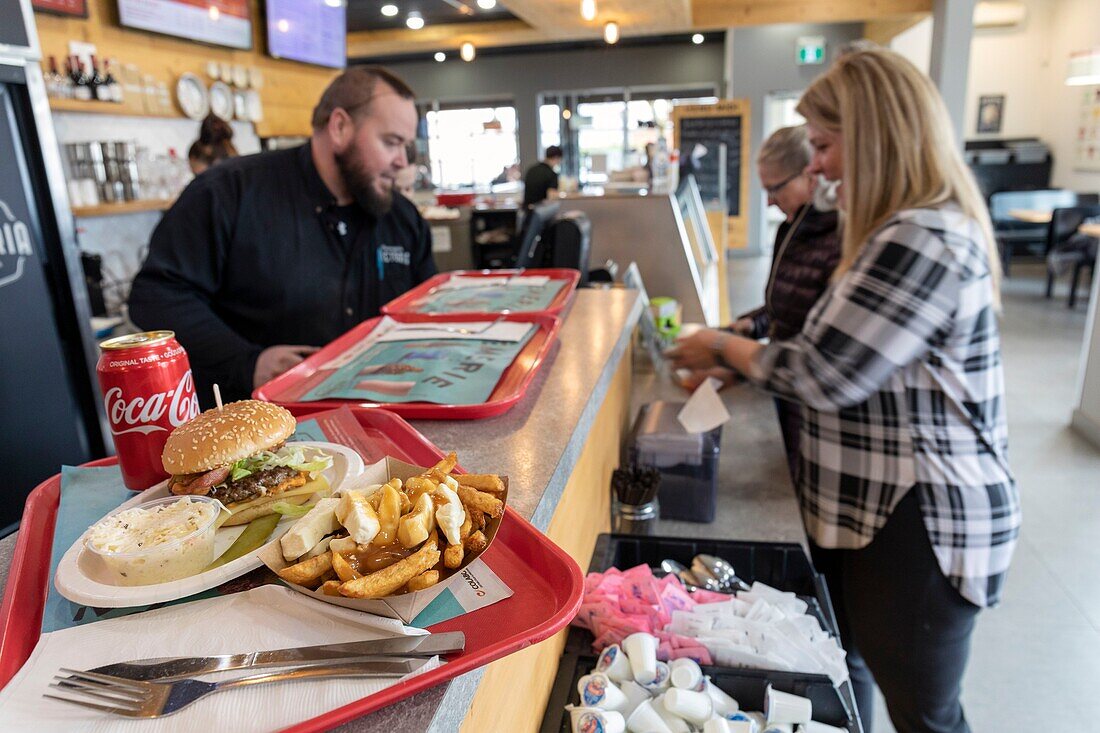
(258, 484)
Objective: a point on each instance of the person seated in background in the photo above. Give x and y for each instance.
(807, 249)
(215, 144)
(541, 180)
(266, 257)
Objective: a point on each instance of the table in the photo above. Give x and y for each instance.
(558, 447)
(1031, 216)
(1090, 230)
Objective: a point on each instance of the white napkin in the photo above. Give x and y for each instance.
(269, 617)
(460, 281)
(478, 331)
(704, 410)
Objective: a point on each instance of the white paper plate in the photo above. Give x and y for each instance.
(81, 579)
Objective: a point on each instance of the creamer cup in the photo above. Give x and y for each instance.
(642, 650)
(742, 722)
(635, 696)
(661, 681)
(783, 707)
(595, 720)
(674, 722)
(779, 728)
(646, 719)
(614, 663)
(723, 703)
(685, 674)
(814, 727)
(694, 707)
(597, 691)
(717, 725)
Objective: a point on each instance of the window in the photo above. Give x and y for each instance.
(471, 146)
(604, 133)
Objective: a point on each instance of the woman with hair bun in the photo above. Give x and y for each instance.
(215, 144)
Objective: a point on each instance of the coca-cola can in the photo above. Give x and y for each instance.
(148, 392)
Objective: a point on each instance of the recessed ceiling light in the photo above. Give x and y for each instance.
(389, 10)
(334, 3)
(283, 25)
(467, 51)
(214, 12)
(566, 114)
(588, 9)
(611, 32)
(415, 21)
(440, 56)
(486, 4)
(697, 39)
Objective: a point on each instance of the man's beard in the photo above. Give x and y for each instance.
(360, 184)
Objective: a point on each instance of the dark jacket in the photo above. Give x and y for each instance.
(252, 255)
(800, 273)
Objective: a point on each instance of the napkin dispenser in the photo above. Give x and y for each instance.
(688, 462)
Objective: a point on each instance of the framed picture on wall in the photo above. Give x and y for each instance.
(76, 8)
(991, 109)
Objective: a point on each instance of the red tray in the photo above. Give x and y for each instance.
(403, 304)
(546, 583)
(287, 388)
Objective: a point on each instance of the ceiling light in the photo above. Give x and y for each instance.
(415, 21)
(334, 3)
(697, 39)
(214, 12)
(389, 10)
(611, 32)
(486, 4)
(467, 51)
(283, 25)
(588, 9)
(566, 114)
(440, 56)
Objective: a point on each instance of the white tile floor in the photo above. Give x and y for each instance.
(1035, 664)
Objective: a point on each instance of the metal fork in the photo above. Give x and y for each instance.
(135, 699)
(449, 329)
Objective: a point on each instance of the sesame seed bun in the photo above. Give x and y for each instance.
(219, 437)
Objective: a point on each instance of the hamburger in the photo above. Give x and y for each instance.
(238, 455)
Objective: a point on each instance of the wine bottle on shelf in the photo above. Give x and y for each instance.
(114, 88)
(65, 81)
(50, 79)
(100, 89)
(82, 88)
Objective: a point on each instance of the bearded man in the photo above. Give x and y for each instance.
(266, 257)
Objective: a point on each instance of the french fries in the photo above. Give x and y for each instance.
(391, 579)
(425, 580)
(401, 536)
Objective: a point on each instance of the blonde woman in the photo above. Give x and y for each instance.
(904, 483)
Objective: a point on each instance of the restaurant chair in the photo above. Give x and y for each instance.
(1016, 237)
(1068, 250)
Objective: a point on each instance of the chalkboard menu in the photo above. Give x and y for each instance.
(701, 133)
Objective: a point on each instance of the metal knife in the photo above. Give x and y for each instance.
(385, 650)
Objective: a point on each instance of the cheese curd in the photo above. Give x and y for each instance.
(159, 541)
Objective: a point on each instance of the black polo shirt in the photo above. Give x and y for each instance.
(539, 180)
(256, 253)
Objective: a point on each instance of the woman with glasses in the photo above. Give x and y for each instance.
(807, 248)
(904, 483)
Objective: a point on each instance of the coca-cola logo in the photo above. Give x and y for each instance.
(144, 414)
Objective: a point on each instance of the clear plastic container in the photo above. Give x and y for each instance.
(175, 541)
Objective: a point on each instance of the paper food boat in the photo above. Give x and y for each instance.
(406, 606)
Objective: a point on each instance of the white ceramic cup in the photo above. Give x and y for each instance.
(586, 719)
(694, 707)
(686, 675)
(723, 703)
(642, 650)
(598, 691)
(783, 707)
(614, 663)
(635, 696)
(674, 722)
(646, 719)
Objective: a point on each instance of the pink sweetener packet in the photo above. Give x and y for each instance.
(664, 652)
(700, 654)
(675, 598)
(709, 596)
(606, 639)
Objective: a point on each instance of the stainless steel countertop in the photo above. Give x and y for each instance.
(536, 444)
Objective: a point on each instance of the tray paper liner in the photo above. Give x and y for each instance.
(407, 606)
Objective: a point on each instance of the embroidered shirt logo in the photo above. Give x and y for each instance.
(391, 255)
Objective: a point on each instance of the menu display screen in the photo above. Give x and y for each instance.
(220, 22)
(79, 8)
(310, 31)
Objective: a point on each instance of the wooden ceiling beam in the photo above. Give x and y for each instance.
(885, 30)
(714, 14)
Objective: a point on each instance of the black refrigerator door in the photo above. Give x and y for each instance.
(42, 423)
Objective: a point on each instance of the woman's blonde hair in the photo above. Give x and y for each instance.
(899, 147)
(787, 149)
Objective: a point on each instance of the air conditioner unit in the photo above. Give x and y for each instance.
(999, 14)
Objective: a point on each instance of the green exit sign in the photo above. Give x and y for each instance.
(811, 50)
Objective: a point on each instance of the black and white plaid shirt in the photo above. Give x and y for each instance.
(898, 368)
